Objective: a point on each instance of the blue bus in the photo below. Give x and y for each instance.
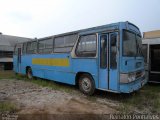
(106, 57)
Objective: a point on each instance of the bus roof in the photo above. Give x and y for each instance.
(101, 28)
(87, 30)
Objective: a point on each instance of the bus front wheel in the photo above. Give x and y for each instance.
(29, 73)
(86, 84)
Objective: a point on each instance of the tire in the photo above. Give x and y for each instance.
(86, 84)
(29, 73)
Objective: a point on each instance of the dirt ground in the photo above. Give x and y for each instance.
(33, 99)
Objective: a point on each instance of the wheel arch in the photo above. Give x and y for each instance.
(79, 74)
(27, 67)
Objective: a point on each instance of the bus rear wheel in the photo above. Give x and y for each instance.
(86, 84)
(29, 73)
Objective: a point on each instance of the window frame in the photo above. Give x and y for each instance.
(123, 43)
(145, 55)
(20, 45)
(32, 49)
(139, 48)
(78, 43)
(24, 52)
(65, 46)
(45, 46)
(106, 65)
(113, 51)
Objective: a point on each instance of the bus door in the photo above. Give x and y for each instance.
(108, 72)
(19, 60)
(113, 61)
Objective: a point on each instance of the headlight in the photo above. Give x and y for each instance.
(143, 73)
(126, 78)
(131, 77)
(123, 78)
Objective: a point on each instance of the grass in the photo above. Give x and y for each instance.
(38, 81)
(146, 100)
(47, 83)
(51, 84)
(7, 107)
(7, 74)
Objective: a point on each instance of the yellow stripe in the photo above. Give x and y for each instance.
(51, 61)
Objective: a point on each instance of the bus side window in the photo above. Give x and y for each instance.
(48, 46)
(31, 47)
(64, 44)
(87, 46)
(45, 46)
(24, 48)
(41, 46)
(113, 42)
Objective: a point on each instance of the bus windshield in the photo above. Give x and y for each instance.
(131, 44)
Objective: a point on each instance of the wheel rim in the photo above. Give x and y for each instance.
(86, 85)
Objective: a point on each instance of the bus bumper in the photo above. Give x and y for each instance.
(133, 86)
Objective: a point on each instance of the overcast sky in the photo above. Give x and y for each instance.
(41, 18)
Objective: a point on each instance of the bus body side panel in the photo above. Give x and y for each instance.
(26, 61)
(88, 65)
(131, 64)
(57, 67)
